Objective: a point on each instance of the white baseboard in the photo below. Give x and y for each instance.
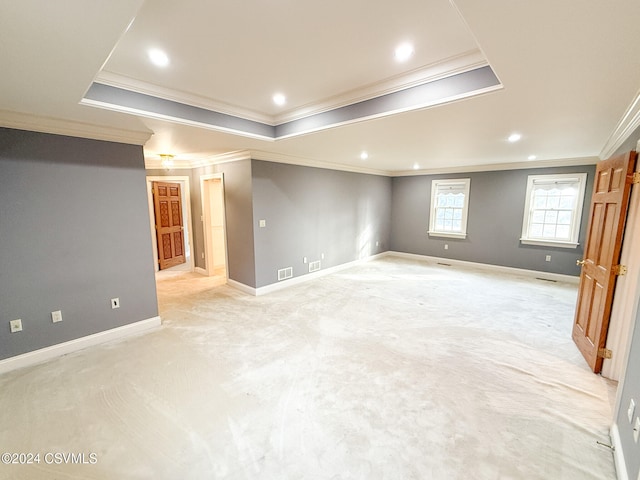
(242, 287)
(201, 271)
(298, 280)
(311, 276)
(483, 266)
(47, 353)
(618, 454)
(558, 277)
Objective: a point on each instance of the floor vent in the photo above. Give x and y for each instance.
(285, 273)
(314, 266)
(444, 264)
(546, 280)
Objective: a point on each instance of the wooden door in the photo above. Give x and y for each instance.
(167, 202)
(611, 190)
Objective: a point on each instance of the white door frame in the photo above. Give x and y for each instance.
(183, 180)
(206, 223)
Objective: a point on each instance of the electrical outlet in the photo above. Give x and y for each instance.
(377, 244)
(322, 256)
(56, 316)
(446, 246)
(304, 259)
(263, 223)
(631, 410)
(15, 325)
(115, 303)
(547, 258)
(636, 429)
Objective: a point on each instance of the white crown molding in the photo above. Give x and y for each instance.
(128, 83)
(306, 162)
(170, 118)
(58, 126)
(462, 63)
(152, 162)
(629, 122)
(562, 162)
(386, 113)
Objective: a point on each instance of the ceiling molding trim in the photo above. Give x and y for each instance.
(420, 106)
(462, 63)
(126, 83)
(437, 92)
(58, 126)
(629, 122)
(228, 157)
(306, 162)
(153, 161)
(562, 162)
(171, 118)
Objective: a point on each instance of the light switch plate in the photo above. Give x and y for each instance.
(631, 410)
(56, 316)
(15, 325)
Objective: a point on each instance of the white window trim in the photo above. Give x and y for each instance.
(465, 210)
(575, 228)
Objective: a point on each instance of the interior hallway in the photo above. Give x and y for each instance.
(392, 369)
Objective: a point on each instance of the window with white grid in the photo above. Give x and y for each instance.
(449, 206)
(553, 209)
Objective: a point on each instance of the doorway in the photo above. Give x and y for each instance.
(214, 224)
(183, 181)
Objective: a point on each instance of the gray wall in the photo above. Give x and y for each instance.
(630, 390)
(496, 206)
(239, 218)
(630, 385)
(310, 211)
(74, 233)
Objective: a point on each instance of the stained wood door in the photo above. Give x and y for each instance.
(167, 202)
(611, 190)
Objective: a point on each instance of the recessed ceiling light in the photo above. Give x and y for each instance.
(158, 57)
(531, 157)
(279, 99)
(416, 166)
(404, 52)
(514, 137)
(364, 155)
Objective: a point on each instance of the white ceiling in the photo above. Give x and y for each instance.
(569, 71)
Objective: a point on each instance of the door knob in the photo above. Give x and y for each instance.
(580, 263)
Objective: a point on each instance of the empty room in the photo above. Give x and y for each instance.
(319, 240)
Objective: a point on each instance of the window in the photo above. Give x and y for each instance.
(553, 209)
(449, 205)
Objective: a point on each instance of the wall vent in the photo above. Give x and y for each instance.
(314, 266)
(285, 273)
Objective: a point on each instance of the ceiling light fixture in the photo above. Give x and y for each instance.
(158, 57)
(404, 52)
(167, 160)
(514, 137)
(279, 99)
(531, 157)
(364, 155)
(416, 166)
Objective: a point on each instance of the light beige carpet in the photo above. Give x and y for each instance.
(393, 369)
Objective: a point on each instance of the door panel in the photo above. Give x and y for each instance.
(167, 201)
(612, 187)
